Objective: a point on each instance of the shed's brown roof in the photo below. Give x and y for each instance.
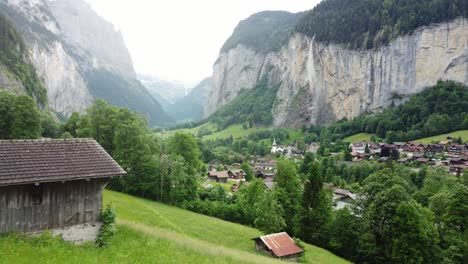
(281, 244)
(35, 161)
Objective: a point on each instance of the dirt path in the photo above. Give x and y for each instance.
(199, 245)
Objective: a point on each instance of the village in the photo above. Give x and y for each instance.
(447, 154)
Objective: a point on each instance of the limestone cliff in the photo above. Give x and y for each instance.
(79, 57)
(321, 83)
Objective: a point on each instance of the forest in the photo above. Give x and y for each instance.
(401, 216)
(437, 110)
(365, 24)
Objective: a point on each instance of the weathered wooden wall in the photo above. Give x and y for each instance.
(27, 208)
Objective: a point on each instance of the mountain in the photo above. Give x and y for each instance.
(342, 58)
(190, 107)
(77, 55)
(168, 91)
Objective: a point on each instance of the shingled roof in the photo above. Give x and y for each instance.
(36, 161)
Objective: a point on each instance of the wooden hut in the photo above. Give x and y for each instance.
(279, 245)
(49, 184)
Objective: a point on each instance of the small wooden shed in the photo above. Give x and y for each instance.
(49, 184)
(279, 245)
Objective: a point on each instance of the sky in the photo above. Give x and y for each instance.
(179, 40)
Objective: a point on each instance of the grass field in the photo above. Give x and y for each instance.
(150, 232)
(358, 137)
(462, 133)
(237, 131)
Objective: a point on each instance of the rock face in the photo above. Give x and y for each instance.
(324, 83)
(74, 51)
(82, 27)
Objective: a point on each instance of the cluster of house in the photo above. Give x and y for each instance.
(452, 156)
(233, 173)
(265, 169)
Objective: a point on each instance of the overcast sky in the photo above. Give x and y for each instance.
(180, 39)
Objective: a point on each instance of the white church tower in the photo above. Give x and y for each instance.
(274, 148)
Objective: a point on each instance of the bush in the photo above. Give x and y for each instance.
(107, 229)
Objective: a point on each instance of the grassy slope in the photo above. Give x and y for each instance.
(150, 232)
(237, 131)
(462, 133)
(358, 137)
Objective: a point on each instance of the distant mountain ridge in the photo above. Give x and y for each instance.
(79, 57)
(190, 107)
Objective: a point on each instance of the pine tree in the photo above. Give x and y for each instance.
(288, 191)
(316, 209)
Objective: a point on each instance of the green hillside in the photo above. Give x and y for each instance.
(462, 133)
(358, 137)
(208, 131)
(150, 232)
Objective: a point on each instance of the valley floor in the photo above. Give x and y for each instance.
(150, 232)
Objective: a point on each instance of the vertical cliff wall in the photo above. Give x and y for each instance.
(78, 56)
(324, 83)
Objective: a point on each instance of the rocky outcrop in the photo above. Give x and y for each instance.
(83, 28)
(322, 83)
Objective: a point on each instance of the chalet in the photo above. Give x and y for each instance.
(218, 176)
(236, 174)
(358, 147)
(433, 149)
(52, 184)
(260, 173)
(458, 150)
(269, 166)
(373, 148)
(279, 245)
(411, 149)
